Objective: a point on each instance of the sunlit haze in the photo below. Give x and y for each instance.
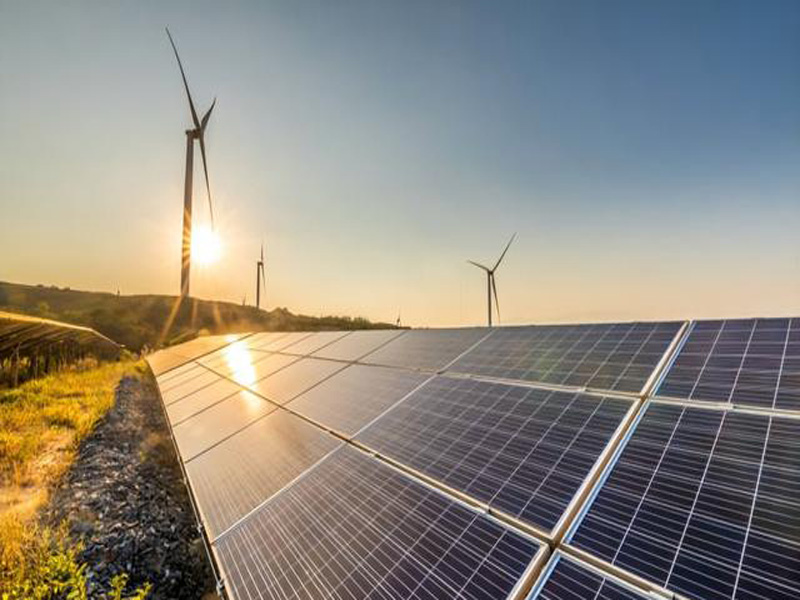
(647, 154)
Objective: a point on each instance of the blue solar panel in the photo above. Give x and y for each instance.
(354, 528)
(748, 362)
(610, 356)
(703, 502)
(521, 450)
(570, 579)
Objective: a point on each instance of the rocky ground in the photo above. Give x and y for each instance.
(124, 497)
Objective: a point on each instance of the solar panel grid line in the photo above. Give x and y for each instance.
(752, 512)
(592, 479)
(360, 563)
(580, 487)
(195, 358)
(266, 500)
(569, 576)
(326, 352)
(272, 407)
(422, 384)
(667, 359)
(707, 562)
(440, 368)
(293, 347)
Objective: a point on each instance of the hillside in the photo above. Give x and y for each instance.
(139, 320)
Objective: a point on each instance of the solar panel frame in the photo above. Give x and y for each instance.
(620, 589)
(359, 538)
(422, 466)
(308, 345)
(426, 349)
(195, 435)
(593, 556)
(263, 464)
(761, 372)
(337, 405)
(620, 358)
(358, 344)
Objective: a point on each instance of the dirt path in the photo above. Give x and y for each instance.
(124, 496)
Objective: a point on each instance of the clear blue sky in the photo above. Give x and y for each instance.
(648, 153)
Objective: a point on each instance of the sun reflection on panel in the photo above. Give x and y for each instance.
(240, 362)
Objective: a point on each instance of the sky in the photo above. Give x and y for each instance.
(647, 154)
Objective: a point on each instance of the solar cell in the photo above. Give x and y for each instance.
(200, 380)
(204, 430)
(243, 471)
(355, 396)
(284, 385)
(354, 528)
(275, 344)
(192, 404)
(178, 375)
(522, 450)
(570, 579)
(314, 342)
(703, 502)
(613, 356)
(358, 344)
(431, 349)
(748, 362)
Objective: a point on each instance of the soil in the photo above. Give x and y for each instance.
(124, 497)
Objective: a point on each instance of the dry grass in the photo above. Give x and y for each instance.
(41, 426)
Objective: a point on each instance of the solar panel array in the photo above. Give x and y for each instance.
(747, 362)
(449, 463)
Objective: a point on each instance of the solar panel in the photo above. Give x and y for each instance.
(431, 349)
(613, 356)
(748, 362)
(354, 528)
(165, 360)
(277, 343)
(521, 450)
(192, 404)
(202, 431)
(200, 380)
(358, 344)
(284, 385)
(355, 396)
(314, 342)
(704, 503)
(569, 579)
(245, 470)
(178, 375)
(264, 338)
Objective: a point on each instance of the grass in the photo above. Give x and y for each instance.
(41, 426)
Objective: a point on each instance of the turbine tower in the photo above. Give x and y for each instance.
(491, 285)
(197, 133)
(260, 277)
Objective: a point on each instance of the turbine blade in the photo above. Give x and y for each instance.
(480, 266)
(205, 171)
(499, 260)
(262, 252)
(204, 120)
(496, 301)
(263, 276)
(185, 84)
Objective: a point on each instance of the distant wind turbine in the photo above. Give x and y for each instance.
(491, 285)
(260, 278)
(197, 133)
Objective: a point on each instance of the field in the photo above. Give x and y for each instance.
(138, 321)
(41, 426)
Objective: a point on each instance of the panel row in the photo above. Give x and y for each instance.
(746, 362)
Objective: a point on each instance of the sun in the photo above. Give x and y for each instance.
(206, 247)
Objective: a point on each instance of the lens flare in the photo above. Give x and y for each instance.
(206, 246)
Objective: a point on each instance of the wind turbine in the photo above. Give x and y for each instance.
(260, 277)
(491, 285)
(197, 133)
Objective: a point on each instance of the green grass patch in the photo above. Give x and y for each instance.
(42, 424)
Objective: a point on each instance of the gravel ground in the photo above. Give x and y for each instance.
(124, 497)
